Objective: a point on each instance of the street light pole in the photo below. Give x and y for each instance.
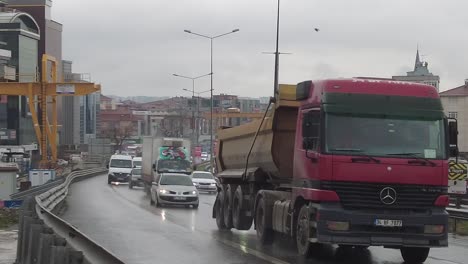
(275, 88)
(211, 94)
(194, 132)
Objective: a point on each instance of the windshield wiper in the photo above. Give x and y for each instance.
(415, 156)
(366, 157)
(347, 149)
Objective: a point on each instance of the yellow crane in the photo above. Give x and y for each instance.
(47, 87)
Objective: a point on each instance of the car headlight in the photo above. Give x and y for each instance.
(111, 174)
(213, 184)
(195, 184)
(194, 192)
(163, 191)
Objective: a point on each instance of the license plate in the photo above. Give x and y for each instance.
(388, 223)
(179, 198)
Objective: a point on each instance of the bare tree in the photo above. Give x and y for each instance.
(118, 134)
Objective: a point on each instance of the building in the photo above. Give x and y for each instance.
(455, 103)
(107, 103)
(80, 113)
(19, 37)
(420, 74)
(50, 41)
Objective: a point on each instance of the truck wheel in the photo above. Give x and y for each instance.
(219, 209)
(151, 200)
(130, 185)
(304, 232)
(240, 220)
(264, 233)
(109, 181)
(228, 195)
(414, 255)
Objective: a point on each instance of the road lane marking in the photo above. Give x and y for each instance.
(252, 252)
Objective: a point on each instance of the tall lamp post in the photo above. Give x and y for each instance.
(193, 95)
(197, 120)
(211, 38)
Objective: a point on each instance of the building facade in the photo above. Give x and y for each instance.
(80, 113)
(455, 103)
(19, 37)
(420, 74)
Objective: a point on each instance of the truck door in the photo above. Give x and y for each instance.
(307, 151)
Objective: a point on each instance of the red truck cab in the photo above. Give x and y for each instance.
(373, 157)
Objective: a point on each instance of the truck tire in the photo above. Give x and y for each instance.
(414, 255)
(219, 209)
(109, 180)
(227, 210)
(130, 185)
(240, 209)
(304, 232)
(264, 231)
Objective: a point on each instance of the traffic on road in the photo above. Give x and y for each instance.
(137, 232)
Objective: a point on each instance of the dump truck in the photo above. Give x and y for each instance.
(164, 155)
(351, 162)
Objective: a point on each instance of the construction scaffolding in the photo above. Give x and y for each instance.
(48, 87)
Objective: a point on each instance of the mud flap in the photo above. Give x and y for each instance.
(213, 215)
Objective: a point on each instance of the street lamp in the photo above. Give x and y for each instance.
(211, 38)
(193, 95)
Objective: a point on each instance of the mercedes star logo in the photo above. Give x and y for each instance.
(388, 196)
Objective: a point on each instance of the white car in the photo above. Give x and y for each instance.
(136, 162)
(176, 189)
(204, 181)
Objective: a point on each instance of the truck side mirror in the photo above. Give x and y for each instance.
(453, 137)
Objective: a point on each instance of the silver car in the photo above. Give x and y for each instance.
(176, 189)
(204, 181)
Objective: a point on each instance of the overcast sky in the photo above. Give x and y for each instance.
(134, 47)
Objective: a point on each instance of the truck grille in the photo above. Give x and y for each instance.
(368, 195)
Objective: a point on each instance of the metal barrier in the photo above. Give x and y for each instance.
(46, 238)
(33, 191)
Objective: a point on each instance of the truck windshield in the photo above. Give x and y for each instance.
(137, 163)
(173, 165)
(118, 163)
(385, 136)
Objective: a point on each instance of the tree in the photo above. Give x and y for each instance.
(118, 134)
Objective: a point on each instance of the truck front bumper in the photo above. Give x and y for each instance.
(362, 229)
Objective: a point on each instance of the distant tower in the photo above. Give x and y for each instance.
(420, 74)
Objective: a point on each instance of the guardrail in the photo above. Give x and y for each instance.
(46, 238)
(36, 190)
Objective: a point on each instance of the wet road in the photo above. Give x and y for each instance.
(123, 221)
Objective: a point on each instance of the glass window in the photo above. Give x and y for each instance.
(176, 180)
(453, 115)
(311, 130)
(385, 136)
(201, 175)
(118, 163)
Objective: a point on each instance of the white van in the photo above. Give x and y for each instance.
(120, 168)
